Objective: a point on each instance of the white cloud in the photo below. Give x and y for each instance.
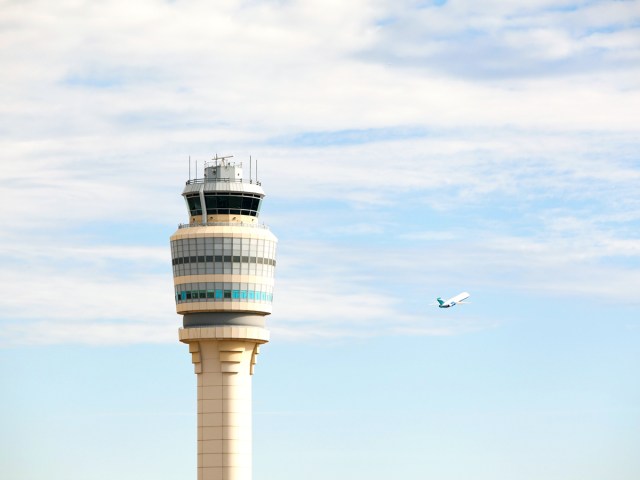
(50, 332)
(326, 306)
(269, 66)
(542, 43)
(85, 296)
(103, 102)
(602, 14)
(623, 45)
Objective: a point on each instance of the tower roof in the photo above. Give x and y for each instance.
(223, 175)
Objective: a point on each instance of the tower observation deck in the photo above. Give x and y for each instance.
(223, 269)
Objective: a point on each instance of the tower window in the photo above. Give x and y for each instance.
(232, 204)
(198, 292)
(195, 206)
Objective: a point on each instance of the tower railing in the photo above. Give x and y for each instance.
(194, 181)
(223, 224)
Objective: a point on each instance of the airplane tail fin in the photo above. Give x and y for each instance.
(440, 301)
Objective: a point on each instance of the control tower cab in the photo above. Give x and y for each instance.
(223, 259)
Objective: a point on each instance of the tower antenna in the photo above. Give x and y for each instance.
(189, 167)
(250, 178)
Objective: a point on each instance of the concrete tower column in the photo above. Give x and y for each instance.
(223, 359)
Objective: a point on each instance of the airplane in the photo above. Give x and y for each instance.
(460, 298)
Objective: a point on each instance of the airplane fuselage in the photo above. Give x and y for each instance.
(460, 298)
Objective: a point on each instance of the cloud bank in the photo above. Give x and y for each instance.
(405, 147)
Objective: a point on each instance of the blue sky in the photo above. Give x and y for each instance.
(408, 150)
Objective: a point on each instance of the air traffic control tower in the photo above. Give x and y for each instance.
(223, 268)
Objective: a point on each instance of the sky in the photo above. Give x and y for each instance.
(408, 150)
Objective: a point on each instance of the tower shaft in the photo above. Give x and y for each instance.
(223, 359)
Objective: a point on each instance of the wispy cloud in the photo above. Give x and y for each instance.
(349, 137)
(508, 40)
